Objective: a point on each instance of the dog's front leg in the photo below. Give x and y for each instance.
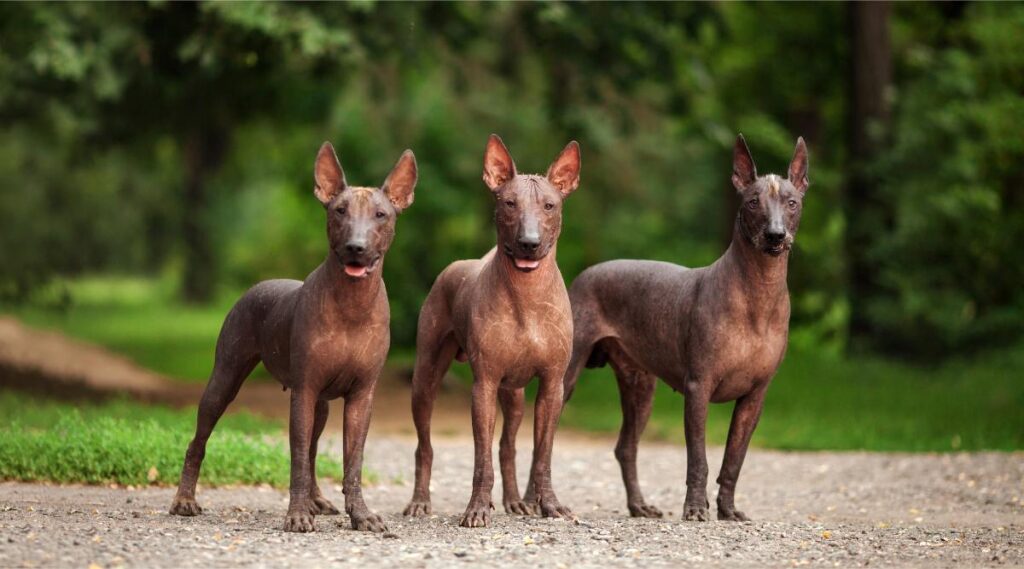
(358, 406)
(512, 404)
(485, 394)
(301, 508)
(695, 508)
(547, 409)
(744, 420)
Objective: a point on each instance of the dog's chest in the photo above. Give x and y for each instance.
(338, 355)
(517, 347)
(741, 356)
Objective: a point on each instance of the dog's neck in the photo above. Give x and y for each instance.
(760, 275)
(525, 287)
(345, 295)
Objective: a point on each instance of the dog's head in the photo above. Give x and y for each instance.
(770, 213)
(361, 220)
(528, 208)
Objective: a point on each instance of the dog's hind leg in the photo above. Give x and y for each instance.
(636, 393)
(588, 331)
(236, 356)
(323, 505)
(435, 349)
(512, 404)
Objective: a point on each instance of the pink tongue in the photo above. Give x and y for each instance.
(354, 271)
(527, 264)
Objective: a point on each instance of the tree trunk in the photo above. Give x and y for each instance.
(870, 76)
(203, 154)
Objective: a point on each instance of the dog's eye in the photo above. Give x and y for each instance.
(549, 206)
(381, 214)
(510, 203)
(752, 204)
(792, 204)
(341, 210)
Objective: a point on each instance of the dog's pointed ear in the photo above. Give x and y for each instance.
(401, 182)
(564, 172)
(498, 165)
(327, 172)
(798, 166)
(743, 170)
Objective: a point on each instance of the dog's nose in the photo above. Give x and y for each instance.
(774, 235)
(529, 244)
(357, 247)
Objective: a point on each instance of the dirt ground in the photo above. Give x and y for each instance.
(820, 509)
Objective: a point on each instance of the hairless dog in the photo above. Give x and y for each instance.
(716, 333)
(324, 338)
(508, 314)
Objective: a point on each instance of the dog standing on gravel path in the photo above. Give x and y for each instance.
(716, 333)
(323, 338)
(508, 314)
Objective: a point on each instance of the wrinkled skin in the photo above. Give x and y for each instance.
(508, 314)
(716, 333)
(323, 338)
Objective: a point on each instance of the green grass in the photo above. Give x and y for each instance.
(129, 443)
(819, 402)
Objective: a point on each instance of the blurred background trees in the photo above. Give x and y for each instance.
(178, 139)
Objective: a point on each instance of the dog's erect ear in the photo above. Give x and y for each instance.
(498, 165)
(330, 179)
(743, 170)
(399, 185)
(564, 172)
(798, 167)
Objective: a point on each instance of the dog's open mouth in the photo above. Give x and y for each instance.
(358, 270)
(526, 264)
(523, 265)
(775, 250)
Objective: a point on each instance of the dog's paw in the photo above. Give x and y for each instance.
(367, 521)
(643, 510)
(696, 513)
(300, 522)
(417, 508)
(550, 508)
(185, 507)
(520, 508)
(729, 515)
(476, 517)
(324, 507)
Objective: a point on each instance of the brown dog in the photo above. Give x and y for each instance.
(715, 334)
(508, 314)
(324, 338)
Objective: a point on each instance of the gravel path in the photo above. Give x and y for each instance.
(811, 509)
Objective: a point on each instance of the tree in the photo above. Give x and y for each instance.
(868, 118)
(191, 72)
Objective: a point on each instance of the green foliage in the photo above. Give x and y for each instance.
(820, 403)
(128, 443)
(952, 258)
(113, 111)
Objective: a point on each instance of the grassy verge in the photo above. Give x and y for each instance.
(818, 402)
(129, 443)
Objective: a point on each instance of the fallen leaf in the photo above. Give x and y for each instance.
(826, 535)
(153, 474)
